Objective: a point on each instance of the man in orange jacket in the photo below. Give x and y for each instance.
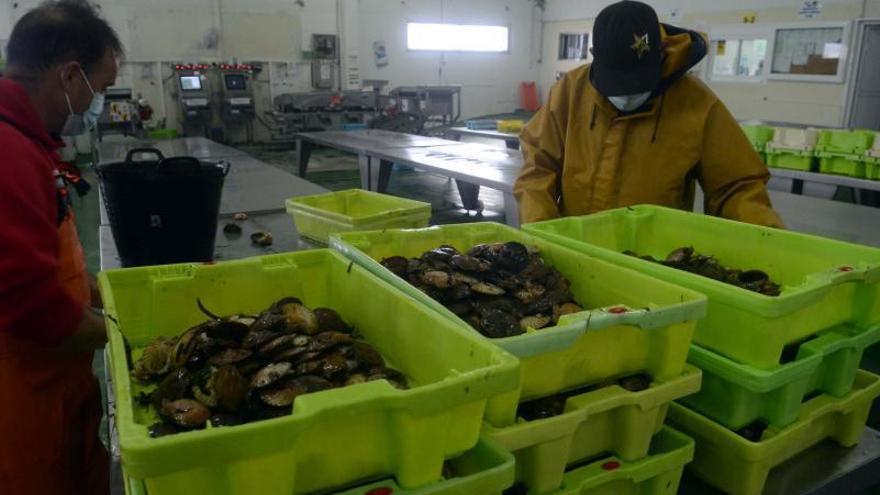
(633, 127)
(60, 58)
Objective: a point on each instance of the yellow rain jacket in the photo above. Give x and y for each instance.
(581, 155)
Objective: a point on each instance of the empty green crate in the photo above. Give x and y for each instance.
(790, 160)
(825, 283)
(487, 469)
(758, 135)
(334, 437)
(740, 467)
(585, 348)
(606, 420)
(849, 165)
(658, 474)
(736, 395)
(319, 216)
(844, 141)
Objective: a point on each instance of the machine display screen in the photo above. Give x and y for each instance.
(235, 82)
(190, 83)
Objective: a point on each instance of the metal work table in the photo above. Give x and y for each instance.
(820, 178)
(472, 164)
(510, 140)
(251, 186)
(360, 142)
(226, 247)
(826, 469)
(199, 147)
(370, 145)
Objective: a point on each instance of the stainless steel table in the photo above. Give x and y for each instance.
(199, 147)
(360, 142)
(826, 469)
(368, 145)
(822, 217)
(510, 140)
(470, 163)
(252, 186)
(826, 179)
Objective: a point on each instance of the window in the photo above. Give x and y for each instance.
(573, 46)
(456, 37)
(738, 59)
(812, 53)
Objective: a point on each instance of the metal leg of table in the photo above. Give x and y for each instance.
(379, 179)
(470, 196)
(303, 153)
(511, 210)
(364, 165)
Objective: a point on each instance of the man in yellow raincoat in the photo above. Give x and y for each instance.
(634, 128)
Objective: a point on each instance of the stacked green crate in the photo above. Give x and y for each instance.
(786, 363)
(740, 466)
(842, 152)
(792, 148)
(759, 136)
(581, 357)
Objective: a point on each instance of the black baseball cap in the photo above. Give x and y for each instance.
(627, 56)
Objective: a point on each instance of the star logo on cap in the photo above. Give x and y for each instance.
(640, 45)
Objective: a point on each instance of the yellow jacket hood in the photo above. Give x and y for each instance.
(581, 155)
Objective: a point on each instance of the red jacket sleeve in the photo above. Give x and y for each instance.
(33, 303)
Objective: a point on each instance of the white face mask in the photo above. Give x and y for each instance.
(77, 124)
(628, 103)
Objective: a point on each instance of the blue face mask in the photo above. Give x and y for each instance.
(628, 103)
(77, 124)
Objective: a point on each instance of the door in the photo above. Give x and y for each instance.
(865, 110)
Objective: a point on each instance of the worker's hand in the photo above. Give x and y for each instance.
(94, 293)
(90, 335)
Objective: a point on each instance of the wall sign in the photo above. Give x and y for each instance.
(380, 54)
(810, 9)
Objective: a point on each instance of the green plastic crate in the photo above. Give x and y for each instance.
(740, 467)
(319, 216)
(585, 348)
(758, 135)
(607, 420)
(334, 437)
(163, 134)
(658, 474)
(736, 395)
(850, 165)
(825, 282)
(872, 162)
(790, 160)
(844, 142)
(485, 470)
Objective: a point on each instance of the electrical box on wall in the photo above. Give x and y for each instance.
(323, 74)
(324, 46)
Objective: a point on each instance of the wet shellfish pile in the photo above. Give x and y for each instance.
(500, 289)
(685, 258)
(236, 369)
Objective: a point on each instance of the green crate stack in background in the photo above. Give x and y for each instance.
(842, 152)
(792, 148)
(872, 159)
(783, 368)
(759, 136)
